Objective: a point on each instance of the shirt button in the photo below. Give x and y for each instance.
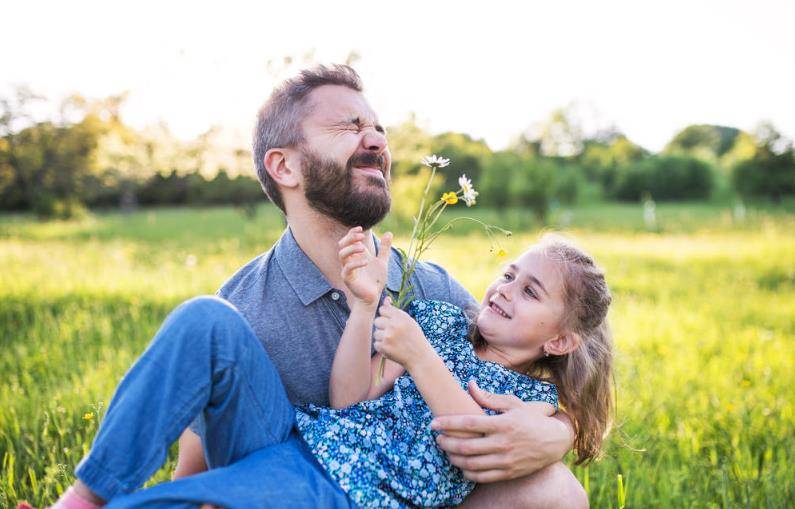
(335, 296)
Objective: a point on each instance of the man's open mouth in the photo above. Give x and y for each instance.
(370, 170)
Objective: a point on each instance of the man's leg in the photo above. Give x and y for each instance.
(552, 487)
(205, 358)
(281, 475)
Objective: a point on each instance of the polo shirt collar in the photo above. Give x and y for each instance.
(305, 277)
(301, 273)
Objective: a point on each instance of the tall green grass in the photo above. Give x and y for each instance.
(704, 320)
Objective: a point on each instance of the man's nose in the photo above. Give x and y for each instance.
(374, 140)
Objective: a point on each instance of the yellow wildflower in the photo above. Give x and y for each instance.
(502, 253)
(88, 416)
(450, 198)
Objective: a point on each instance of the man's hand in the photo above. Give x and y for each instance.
(364, 274)
(521, 440)
(398, 337)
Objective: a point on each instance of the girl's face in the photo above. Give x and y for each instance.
(523, 309)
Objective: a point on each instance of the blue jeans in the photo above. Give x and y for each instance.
(205, 360)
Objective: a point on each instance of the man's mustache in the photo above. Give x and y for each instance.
(367, 159)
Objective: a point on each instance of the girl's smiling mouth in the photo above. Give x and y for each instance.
(493, 307)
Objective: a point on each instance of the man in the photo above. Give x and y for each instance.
(322, 158)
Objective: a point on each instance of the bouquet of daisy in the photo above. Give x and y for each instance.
(424, 232)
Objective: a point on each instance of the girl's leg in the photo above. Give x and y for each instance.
(205, 357)
(281, 475)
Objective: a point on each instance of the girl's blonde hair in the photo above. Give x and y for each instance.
(583, 377)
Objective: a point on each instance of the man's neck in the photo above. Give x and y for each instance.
(318, 236)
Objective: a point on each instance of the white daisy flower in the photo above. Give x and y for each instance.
(435, 161)
(469, 197)
(465, 183)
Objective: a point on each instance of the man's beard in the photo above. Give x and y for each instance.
(330, 190)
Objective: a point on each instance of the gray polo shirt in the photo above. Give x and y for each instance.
(299, 316)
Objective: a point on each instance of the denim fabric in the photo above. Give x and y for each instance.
(206, 361)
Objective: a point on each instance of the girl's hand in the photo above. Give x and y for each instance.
(398, 337)
(363, 273)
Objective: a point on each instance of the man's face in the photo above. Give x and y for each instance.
(345, 158)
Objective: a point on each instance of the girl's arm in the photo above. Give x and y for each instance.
(350, 372)
(365, 276)
(392, 370)
(440, 389)
(401, 339)
(346, 386)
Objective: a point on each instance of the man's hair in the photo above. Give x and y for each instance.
(279, 119)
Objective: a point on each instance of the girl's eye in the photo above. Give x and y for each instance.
(507, 276)
(529, 291)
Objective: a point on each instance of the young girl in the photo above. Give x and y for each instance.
(540, 335)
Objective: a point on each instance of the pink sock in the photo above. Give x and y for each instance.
(72, 500)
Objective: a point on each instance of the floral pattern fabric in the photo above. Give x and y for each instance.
(383, 452)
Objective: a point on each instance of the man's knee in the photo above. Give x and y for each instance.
(563, 487)
(205, 311)
(552, 487)
(203, 318)
(205, 306)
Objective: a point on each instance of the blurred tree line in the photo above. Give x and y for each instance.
(87, 157)
(557, 163)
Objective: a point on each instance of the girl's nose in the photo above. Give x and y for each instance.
(505, 291)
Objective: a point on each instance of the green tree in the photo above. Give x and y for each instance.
(771, 170)
(703, 141)
(602, 159)
(665, 178)
(408, 144)
(467, 156)
(500, 174)
(534, 187)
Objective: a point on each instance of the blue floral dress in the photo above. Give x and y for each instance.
(383, 452)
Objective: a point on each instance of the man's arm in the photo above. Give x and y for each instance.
(445, 396)
(520, 441)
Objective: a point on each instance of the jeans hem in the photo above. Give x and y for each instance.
(98, 480)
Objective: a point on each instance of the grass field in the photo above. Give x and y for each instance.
(704, 320)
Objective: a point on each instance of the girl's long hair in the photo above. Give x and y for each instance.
(583, 377)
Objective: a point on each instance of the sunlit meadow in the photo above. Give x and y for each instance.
(704, 320)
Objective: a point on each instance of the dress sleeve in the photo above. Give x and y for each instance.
(442, 322)
(532, 389)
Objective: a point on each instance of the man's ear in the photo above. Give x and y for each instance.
(563, 344)
(282, 166)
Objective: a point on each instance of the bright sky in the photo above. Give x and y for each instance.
(491, 69)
